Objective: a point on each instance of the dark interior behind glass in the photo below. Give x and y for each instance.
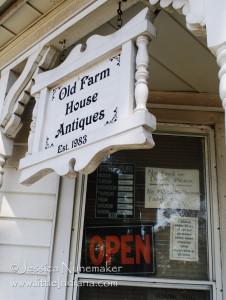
(170, 152)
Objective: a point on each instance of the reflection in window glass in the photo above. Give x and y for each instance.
(146, 212)
(138, 293)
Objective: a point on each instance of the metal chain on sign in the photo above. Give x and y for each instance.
(119, 19)
(63, 50)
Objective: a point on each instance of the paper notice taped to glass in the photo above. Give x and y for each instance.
(172, 188)
(184, 239)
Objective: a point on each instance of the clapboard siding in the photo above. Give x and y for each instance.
(25, 232)
(27, 218)
(23, 259)
(10, 292)
(46, 186)
(21, 205)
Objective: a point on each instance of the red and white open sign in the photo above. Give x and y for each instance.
(130, 249)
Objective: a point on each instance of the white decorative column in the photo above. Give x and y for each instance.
(142, 73)
(216, 40)
(221, 60)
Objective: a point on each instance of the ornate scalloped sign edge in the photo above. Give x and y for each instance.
(92, 104)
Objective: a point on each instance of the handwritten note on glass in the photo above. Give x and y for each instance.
(172, 188)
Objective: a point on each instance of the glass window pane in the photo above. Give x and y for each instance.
(138, 293)
(146, 212)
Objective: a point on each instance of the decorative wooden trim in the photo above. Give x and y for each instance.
(176, 4)
(19, 93)
(194, 12)
(104, 44)
(18, 96)
(53, 27)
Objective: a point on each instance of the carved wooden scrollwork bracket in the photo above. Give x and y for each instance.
(15, 96)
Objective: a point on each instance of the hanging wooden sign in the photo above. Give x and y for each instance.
(91, 105)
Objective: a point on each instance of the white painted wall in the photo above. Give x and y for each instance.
(27, 217)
